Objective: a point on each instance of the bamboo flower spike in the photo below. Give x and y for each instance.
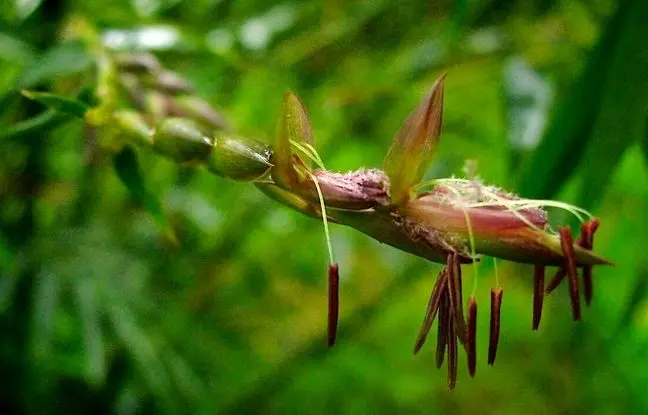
(450, 221)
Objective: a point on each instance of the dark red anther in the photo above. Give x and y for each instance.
(587, 230)
(456, 306)
(556, 280)
(442, 330)
(333, 302)
(567, 245)
(495, 320)
(538, 294)
(432, 309)
(471, 336)
(452, 353)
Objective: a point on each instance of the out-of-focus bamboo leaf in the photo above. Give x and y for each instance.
(58, 102)
(86, 296)
(637, 298)
(46, 301)
(62, 60)
(570, 129)
(414, 144)
(8, 274)
(25, 8)
(623, 107)
(644, 142)
(14, 49)
(129, 172)
(139, 345)
(41, 123)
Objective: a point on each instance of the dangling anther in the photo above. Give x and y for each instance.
(538, 294)
(567, 245)
(442, 329)
(556, 280)
(432, 309)
(587, 241)
(452, 353)
(455, 297)
(495, 319)
(471, 336)
(333, 302)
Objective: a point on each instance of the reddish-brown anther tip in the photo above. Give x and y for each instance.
(452, 354)
(556, 280)
(495, 320)
(456, 306)
(567, 245)
(471, 336)
(538, 294)
(442, 329)
(333, 302)
(432, 309)
(587, 241)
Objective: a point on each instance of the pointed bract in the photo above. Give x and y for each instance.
(414, 144)
(294, 126)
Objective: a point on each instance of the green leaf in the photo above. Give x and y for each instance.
(622, 115)
(570, 128)
(8, 274)
(86, 297)
(59, 103)
(62, 60)
(41, 123)
(128, 170)
(413, 147)
(644, 142)
(14, 49)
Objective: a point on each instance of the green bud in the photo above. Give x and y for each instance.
(182, 140)
(197, 109)
(133, 124)
(155, 104)
(138, 63)
(239, 158)
(167, 82)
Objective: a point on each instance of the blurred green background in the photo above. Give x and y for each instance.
(99, 312)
